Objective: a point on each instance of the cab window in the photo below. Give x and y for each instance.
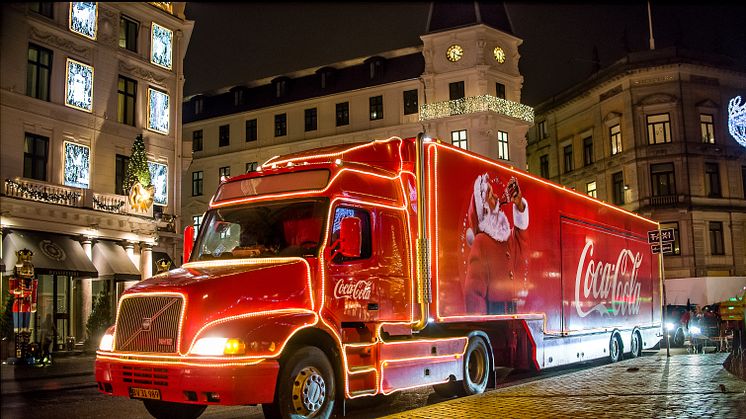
(365, 243)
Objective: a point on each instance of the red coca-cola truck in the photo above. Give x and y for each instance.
(361, 270)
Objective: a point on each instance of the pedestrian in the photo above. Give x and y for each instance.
(48, 329)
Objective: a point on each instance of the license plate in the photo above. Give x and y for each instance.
(145, 393)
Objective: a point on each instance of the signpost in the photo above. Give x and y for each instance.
(661, 242)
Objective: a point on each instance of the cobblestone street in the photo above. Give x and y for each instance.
(649, 387)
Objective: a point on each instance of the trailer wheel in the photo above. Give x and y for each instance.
(615, 348)
(305, 386)
(635, 345)
(170, 410)
(476, 367)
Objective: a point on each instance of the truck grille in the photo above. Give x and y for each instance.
(148, 324)
(143, 375)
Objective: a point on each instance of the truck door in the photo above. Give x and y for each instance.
(352, 283)
(394, 284)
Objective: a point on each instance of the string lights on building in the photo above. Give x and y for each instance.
(476, 104)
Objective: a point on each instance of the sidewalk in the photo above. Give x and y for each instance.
(653, 386)
(65, 372)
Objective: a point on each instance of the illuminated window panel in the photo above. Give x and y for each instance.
(158, 111)
(77, 165)
(159, 179)
(161, 46)
(83, 18)
(79, 86)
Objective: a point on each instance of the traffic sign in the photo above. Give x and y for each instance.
(666, 235)
(667, 248)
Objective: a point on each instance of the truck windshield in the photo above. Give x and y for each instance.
(262, 230)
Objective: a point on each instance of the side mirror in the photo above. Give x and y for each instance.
(350, 237)
(188, 242)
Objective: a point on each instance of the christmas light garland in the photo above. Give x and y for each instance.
(476, 104)
(107, 207)
(39, 194)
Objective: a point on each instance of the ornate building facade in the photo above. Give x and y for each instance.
(461, 85)
(78, 83)
(650, 134)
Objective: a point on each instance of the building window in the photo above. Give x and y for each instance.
(617, 188)
(708, 128)
(126, 97)
(128, 29)
(196, 221)
(663, 180)
(659, 129)
(197, 178)
(343, 114)
(567, 153)
(456, 90)
(197, 140)
(35, 150)
(544, 166)
(161, 50)
(310, 117)
(712, 180)
(458, 138)
(199, 105)
(239, 97)
(615, 134)
(500, 90)
(717, 245)
(590, 189)
(502, 145)
(676, 243)
(251, 166)
(224, 171)
(45, 9)
(224, 135)
(410, 102)
(159, 111)
(281, 125)
(120, 174)
(38, 72)
(542, 128)
(251, 133)
(84, 18)
(587, 151)
(376, 108)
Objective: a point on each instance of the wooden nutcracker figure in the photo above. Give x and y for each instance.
(23, 286)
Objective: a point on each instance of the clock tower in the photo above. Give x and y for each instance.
(472, 81)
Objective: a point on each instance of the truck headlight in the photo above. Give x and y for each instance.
(669, 326)
(219, 346)
(107, 341)
(695, 330)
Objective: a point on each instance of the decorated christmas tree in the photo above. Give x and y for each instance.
(137, 168)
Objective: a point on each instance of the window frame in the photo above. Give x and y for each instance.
(224, 171)
(716, 235)
(460, 139)
(456, 90)
(251, 166)
(615, 138)
(310, 117)
(707, 129)
(121, 167)
(252, 130)
(567, 158)
(342, 113)
(713, 188)
(198, 178)
(588, 151)
(411, 101)
(503, 146)
(544, 166)
(500, 90)
(591, 192)
(38, 77)
(670, 178)
(376, 107)
(198, 134)
(124, 111)
(617, 188)
(652, 127)
(224, 135)
(281, 124)
(125, 23)
(37, 162)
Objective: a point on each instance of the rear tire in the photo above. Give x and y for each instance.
(305, 387)
(615, 348)
(476, 368)
(170, 410)
(635, 345)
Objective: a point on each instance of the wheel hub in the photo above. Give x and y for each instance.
(309, 391)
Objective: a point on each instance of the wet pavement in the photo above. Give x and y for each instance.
(650, 387)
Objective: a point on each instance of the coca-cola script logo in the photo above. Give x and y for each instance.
(359, 290)
(605, 282)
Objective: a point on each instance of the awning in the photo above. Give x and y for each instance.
(161, 256)
(111, 260)
(53, 253)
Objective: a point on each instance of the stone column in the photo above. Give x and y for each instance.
(86, 291)
(146, 260)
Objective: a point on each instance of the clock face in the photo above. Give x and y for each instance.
(454, 53)
(499, 55)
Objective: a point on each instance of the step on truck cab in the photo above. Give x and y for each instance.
(366, 269)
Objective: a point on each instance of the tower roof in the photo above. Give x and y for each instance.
(452, 15)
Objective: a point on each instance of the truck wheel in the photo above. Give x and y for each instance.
(305, 387)
(476, 368)
(635, 345)
(615, 348)
(678, 338)
(170, 410)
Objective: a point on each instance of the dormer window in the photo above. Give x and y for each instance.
(326, 77)
(281, 86)
(239, 95)
(199, 105)
(375, 67)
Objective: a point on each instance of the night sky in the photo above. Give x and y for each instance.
(237, 42)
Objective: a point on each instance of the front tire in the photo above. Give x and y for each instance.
(170, 410)
(305, 387)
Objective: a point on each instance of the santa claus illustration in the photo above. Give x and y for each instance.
(497, 266)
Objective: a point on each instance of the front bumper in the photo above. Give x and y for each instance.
(220, 385)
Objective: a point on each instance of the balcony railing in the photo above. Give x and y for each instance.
(476, 104)
(35, 190)
(663, 200)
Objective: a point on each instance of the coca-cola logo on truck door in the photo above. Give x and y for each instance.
(356, 290)
(599, 282)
